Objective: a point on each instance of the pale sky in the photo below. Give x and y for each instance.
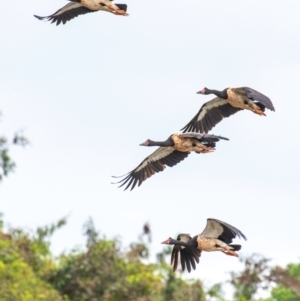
(88, 92)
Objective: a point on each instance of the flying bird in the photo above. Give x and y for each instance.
(172, 151)
(227, 103)
(81, 7)
(217, 236)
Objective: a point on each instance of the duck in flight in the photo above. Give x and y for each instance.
(227, 103)
(81, 7)
(170, 152)
(217, 236)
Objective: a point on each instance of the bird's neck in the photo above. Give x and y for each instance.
(168, 142)
(180, 243)
(190, 243)
(222, 94)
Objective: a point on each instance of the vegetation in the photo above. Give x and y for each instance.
(7, 165)
(100, 271)
(103, 270)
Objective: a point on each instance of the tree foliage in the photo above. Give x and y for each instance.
(7, 165)
(251, 279)
(288, 283)
(22, 261)
(257, 275)
(102, 270)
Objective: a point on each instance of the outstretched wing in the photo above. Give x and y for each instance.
(211, 113)
(156, 162)
(188, 256)
(221, 230)
(67, 13)
(72, 10)
(263, 99)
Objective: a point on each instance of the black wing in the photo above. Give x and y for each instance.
(211, 113)
(189, 256)
(154, 163)
(67, 13)
(221, 230)
(263, 99)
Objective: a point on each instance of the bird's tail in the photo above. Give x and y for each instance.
(235, 247)
(122, 6)
(261, 106)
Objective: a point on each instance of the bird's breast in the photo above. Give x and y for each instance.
(237, 100)
(210, 244)
(206, 243)
(91, 4)
(187, 144)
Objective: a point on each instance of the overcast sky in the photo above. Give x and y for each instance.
(88, 92)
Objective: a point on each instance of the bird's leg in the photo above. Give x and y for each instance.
(120, 12)
(205, 149)
(255, 110)
(117, 11)
(230, 252)
(208, 150)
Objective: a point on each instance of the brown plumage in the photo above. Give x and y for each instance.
(227, 103)
(81, 7)
(217, 236)
(172, 151)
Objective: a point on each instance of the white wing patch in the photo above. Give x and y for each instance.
(66, 8)
(213, 229)
(160, 153)
(216, 102)
(185, 237)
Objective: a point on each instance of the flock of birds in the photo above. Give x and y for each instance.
(194, 138)
(217, 235)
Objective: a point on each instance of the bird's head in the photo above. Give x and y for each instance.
(203, 91)
(146, 143)
(168, 241)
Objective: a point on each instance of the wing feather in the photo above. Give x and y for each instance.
(263, 99)
(221, 230)
(211, 113)
(174, 257)
(196, 254)
(182, 260)
(187, 259)
(202, 137)
(154, 163)
(67, 13)
(189, 256)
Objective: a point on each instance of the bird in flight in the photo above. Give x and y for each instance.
(170, 152)
(227, 103)
(217, 236)
(81, 7)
